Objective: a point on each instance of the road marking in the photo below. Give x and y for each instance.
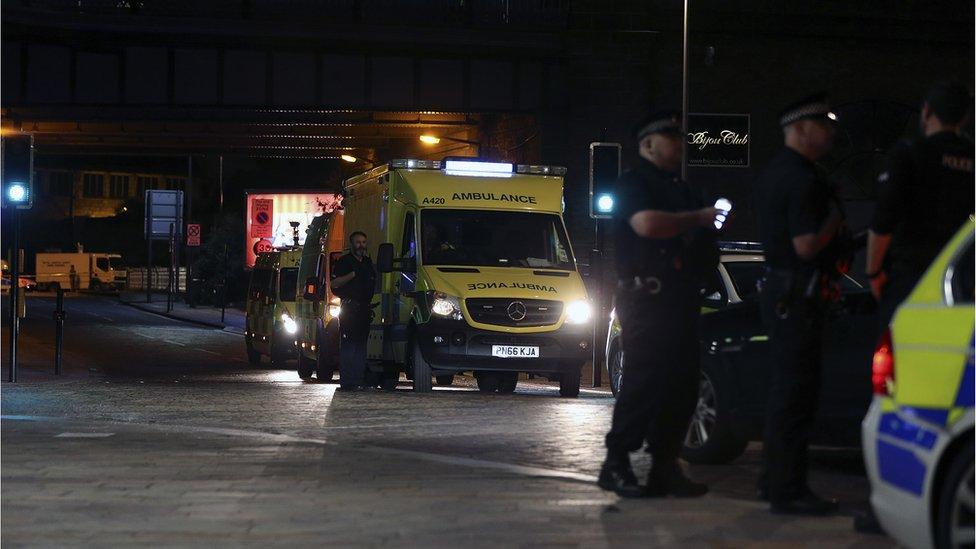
(512, 468)
(103, 317)
(206, 351)
(84, 435)
(174, 342)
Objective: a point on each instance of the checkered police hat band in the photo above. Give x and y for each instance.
(806, 111)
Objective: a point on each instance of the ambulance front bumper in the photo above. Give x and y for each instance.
(454, 345)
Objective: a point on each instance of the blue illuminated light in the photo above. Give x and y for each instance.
(604, 203)
(489, 169)
(17, 192)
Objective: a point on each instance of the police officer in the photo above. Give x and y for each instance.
(354, 280)
(664, 245)
(924, 194)
(799, 217)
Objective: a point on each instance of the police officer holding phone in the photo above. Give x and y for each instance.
(665, 245)
(354, 281)
(799, 218)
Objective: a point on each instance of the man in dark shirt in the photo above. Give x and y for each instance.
(354, 280)
(799, 217)
(925, 194)
(664, 246)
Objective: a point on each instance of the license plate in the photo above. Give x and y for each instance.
(514, 351)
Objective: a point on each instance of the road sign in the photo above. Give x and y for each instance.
(192, 234)
(163, 208)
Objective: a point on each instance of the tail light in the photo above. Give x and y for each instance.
(883, 365)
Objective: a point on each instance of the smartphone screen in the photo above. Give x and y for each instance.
(724, 206)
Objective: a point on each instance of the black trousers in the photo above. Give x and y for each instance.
(354, 329)
(900, 284)
(659, 389)
(795, 329)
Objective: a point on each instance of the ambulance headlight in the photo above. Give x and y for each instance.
(578, 312)
(289, 323)
(446, 305)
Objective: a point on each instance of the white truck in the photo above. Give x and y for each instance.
(80, 271)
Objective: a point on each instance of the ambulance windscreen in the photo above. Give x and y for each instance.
(494, 238)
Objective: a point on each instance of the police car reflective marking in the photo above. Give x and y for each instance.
(935, 416)
(891, 424)
(967, 386)
(900, 467)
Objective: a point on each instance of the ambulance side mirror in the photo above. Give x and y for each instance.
(384, 258)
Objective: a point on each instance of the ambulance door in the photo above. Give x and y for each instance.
(404, 284)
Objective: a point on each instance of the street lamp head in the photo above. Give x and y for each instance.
(430, 139)
(348, 158)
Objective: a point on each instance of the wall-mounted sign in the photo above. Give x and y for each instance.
(718, 140)
(270, 215)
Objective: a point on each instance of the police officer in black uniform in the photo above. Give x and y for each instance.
(925, 194)
(354, 281)
(799, 217)
(665, 244)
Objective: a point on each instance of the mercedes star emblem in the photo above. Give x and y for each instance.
(516, 311)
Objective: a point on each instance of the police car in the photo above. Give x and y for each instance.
(918, 433)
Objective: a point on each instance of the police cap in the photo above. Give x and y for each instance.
(815, 107)
(668, 122)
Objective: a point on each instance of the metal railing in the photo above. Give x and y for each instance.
(160, 279)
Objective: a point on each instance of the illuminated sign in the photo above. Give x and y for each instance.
(269, 219)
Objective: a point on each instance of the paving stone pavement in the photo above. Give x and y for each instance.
(286, 463)
(160, 434)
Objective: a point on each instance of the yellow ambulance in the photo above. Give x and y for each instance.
(477, 273)
(270, 326)
(317, 308)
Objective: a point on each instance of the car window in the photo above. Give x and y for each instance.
(102, 263)
(745, 277)
(714, 292)
(260, 283)
(962, 274)
(288, 283)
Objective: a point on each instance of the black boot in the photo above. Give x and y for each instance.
(807, 504)
(617, 476)
(670, 480)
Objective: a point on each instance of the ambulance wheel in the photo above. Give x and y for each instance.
(507, 382)
(278, 356)
(306, 367)
(569, 383)
(488, 382)
(954, 518)
(421, 370)
(389, 380)
(253, 356)
(445, 380)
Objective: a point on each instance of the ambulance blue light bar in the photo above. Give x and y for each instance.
(477, 168)
(484, 169)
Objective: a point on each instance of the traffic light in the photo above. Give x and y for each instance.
(17, 171)
(604, 171)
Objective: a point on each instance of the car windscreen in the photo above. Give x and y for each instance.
(494, 238)
(116, 263)
(288, 284)
(745, 277)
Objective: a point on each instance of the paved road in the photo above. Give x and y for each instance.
(161, 433)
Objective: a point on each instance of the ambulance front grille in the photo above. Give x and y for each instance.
(495, 311)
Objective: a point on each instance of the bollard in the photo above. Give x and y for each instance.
(58, 330)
